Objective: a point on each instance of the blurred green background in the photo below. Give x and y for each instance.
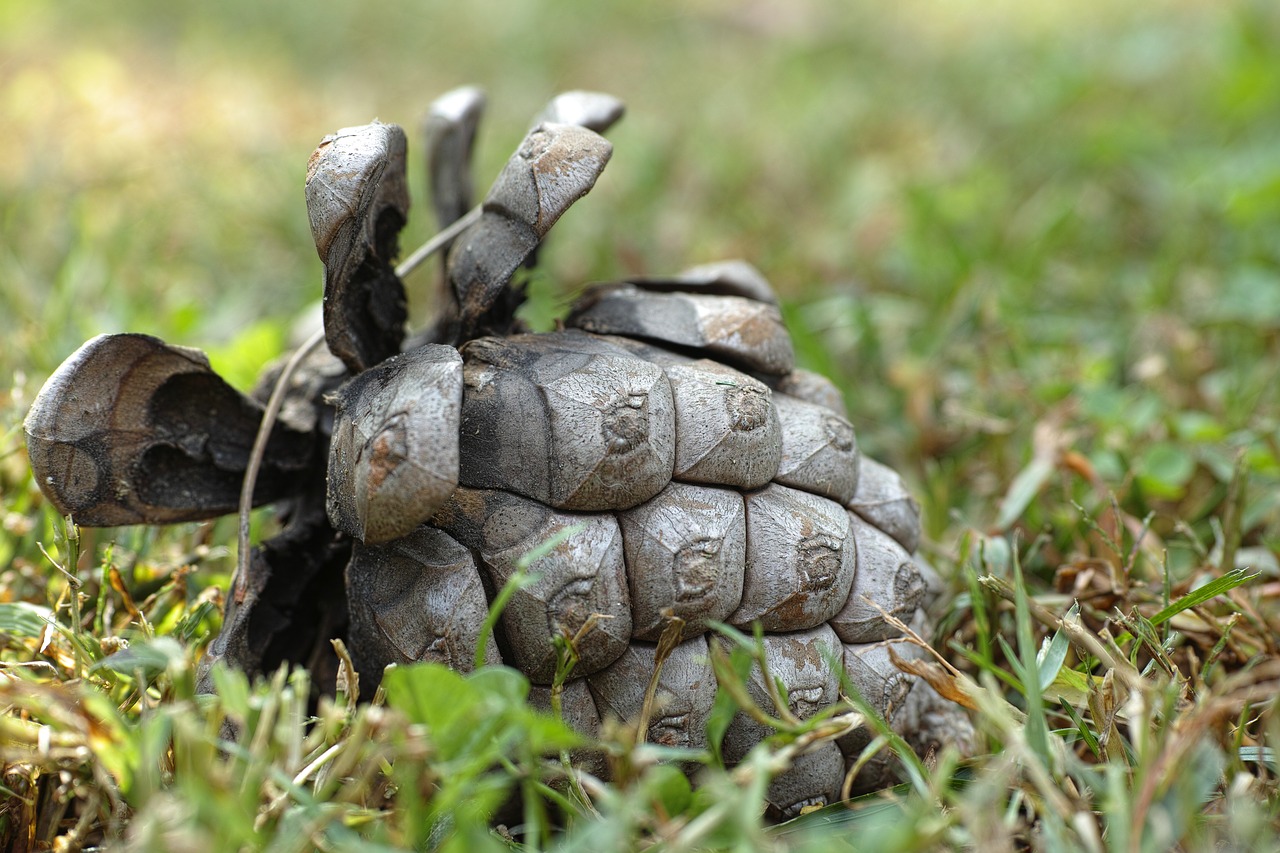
(1010, 231)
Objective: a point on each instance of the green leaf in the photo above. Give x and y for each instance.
(1260, 755)
(1023, 490)
(1072, 686)
(1053, 652)
(153, 657)
(1251, 296)
(468, 715)
(1164, 469)
(667, 785)
(23, 619)
(520, 579)
(430, 694)
(1086, 733)
(1214, 588)
(117, 746)
(1199, 426)
(500, 682)
(725, 706)
(1037, 729)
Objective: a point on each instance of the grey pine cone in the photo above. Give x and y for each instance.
(686, 471)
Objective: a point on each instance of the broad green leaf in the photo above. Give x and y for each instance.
(1199, 426)
(1164, 469)
(23, 619)
(468, 714)
(429, 693)
(669, 786)
(502, 682)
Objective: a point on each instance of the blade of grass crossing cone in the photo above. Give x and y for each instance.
(522, 578)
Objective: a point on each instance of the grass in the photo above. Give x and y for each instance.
(1033, 243)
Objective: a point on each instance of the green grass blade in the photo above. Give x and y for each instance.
(1214, 588)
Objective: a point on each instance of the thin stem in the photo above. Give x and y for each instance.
(429, 248)
(259, 450)
(438, 242)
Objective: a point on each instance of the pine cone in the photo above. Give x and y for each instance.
(693, 474)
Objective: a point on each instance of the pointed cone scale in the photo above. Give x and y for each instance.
(812, 388)
(819, 452)
(886, 575)
(685, 696)
(727, 428)
(805, 662)
(565, 419)
(686, 555)
(582, 576)
(419, 598)
(801, 559)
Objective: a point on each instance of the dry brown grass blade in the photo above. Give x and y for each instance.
(947, 684)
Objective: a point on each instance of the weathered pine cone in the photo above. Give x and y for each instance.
(692, 471)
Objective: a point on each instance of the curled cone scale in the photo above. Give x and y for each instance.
(658, 463)
(357, 201)
(131, 430)
(596, 111)
(449, 130)
(721, 278)
(555, 165)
